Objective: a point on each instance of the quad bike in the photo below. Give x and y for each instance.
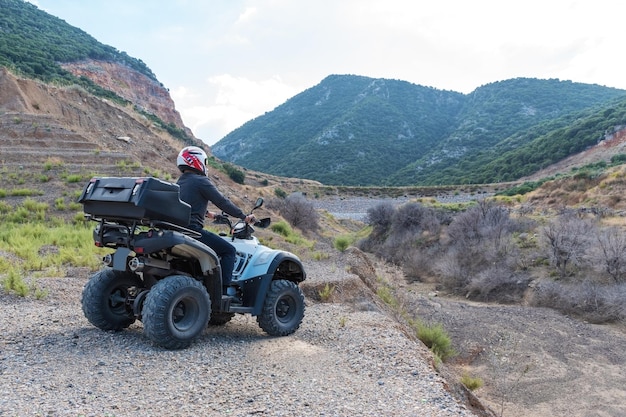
(163, 276)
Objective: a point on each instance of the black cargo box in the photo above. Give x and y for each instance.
(142, 199)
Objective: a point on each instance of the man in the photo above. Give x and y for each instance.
(196, 189)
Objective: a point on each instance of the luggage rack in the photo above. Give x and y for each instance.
(130, 225)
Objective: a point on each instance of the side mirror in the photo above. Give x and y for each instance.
(258, 203)
(221, 219)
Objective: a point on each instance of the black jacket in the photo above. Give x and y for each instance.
(197, 190)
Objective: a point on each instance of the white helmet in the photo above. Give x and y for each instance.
(192, 157)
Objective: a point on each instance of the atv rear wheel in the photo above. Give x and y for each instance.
(283, 309)
(176, 311)
(104, 299)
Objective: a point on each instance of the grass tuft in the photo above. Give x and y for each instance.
(471, 383)
(435, 338)
(327, 292)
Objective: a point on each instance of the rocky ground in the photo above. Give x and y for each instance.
(352, 356)
(347, 359)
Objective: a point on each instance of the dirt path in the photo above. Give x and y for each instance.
(534, 361)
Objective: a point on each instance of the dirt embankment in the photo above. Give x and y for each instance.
(535, 362)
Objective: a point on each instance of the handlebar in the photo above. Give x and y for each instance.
(225, 219)
(245, 231)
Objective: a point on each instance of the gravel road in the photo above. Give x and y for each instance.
(345, 360)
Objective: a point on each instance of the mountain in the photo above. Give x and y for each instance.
(67, 101)
(72, 108)
(37, 45)
(355, 130)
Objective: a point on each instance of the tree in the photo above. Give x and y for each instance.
(611, 252)
(568, 239)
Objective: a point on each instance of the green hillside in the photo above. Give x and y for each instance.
(33, 43)
(529, 150)
(353, 130)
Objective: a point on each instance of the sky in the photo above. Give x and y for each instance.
(228, 61)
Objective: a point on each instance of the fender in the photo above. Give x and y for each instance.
(283, 266)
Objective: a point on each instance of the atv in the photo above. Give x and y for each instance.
(160, 274)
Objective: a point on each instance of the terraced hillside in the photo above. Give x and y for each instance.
(54, 139)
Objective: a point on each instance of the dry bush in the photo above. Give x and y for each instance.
(486, 254)
(418, 265)
(398, 234)
(298, 211)
(588, 300)
(567, 239)
(498, 283)
(379, 217)
(481, 255)
(610, 253)
(414, 218)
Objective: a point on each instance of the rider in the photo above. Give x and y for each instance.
(196, 189)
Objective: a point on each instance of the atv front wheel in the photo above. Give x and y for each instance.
(104, 299)
(176, 311)
(283, 309)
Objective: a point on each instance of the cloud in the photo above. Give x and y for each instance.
(234, 100)
(247, 15)
(226, 62)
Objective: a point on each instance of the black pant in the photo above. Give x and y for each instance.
(224, 250)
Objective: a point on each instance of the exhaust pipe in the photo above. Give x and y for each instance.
(136, 264)
(140, 264)
(107, 260)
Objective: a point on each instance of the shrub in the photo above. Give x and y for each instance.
(300, 212)
(234, 173)
(590, 301)
(567, 240)
(498, 283)
(290, 235)
(418, 264)
(480, 238)
(436, 339)
(59, 203)
(522, 189)
(610, 253)
(341, 243)
(379, 216)
(25, 192)
(280, 193)
(471, 383)
(618, 159)
(13, 282)
(282, 228)
(327, 292)
(74, 178)
(385, 294)
(398, 233)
